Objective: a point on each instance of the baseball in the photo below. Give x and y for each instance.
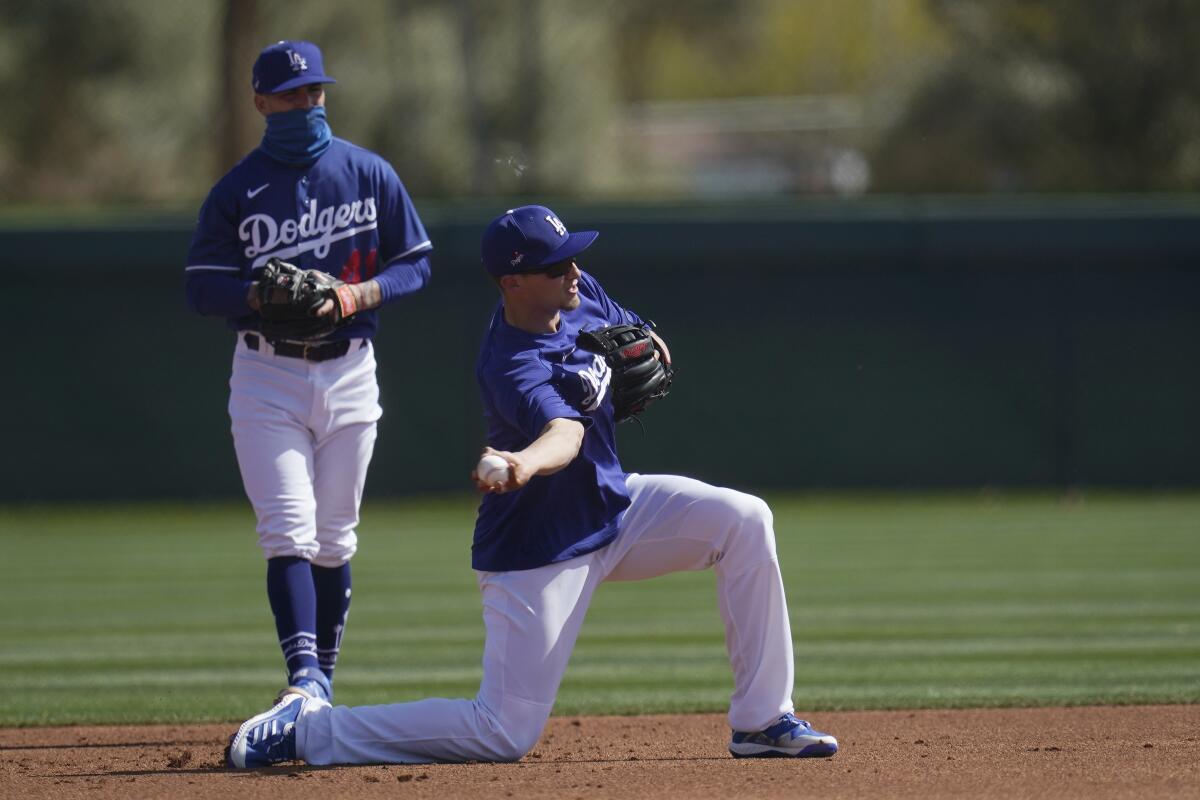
(492, 470)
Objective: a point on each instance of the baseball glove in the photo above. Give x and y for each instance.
(289, 298)
(638, 377)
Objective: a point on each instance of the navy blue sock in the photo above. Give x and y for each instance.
(294, 602)
(333, 605)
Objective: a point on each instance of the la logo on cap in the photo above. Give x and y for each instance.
(299, 63)
(557, 223)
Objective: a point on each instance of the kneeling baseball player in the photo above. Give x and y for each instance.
(561, 364)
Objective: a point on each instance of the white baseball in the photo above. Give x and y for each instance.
(492, 470)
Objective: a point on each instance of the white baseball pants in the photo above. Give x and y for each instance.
(304, 433)
(532, 618)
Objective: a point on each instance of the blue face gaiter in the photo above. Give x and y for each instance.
(297, 137)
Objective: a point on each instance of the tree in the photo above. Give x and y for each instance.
(1060, 96)
(240, 125)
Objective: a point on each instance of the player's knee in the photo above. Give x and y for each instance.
(332, 557)
(755, 523)
(750, 511)
(285, 534)
(514, 749)
(335, 548)
(517, 732)
(760, 512)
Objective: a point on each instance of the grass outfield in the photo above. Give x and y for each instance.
(141, 614)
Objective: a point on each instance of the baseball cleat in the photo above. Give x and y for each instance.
(308, 683)
(788, 738)
(267, 738)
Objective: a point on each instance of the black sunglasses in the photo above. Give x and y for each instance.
(554, 270)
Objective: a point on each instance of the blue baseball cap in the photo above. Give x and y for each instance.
(286, 65)
(528, 238)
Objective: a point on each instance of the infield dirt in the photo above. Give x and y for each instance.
(1095, 753)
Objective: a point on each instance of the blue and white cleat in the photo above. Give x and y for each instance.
(268, 738)
(788, 738)
(308, 682)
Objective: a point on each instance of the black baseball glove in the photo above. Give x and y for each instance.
(638, 377)
(289, 298)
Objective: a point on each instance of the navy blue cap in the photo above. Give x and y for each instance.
(528, 238)
(286, 65)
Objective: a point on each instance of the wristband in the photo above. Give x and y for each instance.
(347, 302)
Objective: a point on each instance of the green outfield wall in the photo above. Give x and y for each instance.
(875, 344)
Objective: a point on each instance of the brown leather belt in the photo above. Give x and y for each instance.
(317, 351)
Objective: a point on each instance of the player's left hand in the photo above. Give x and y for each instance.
(519, 473)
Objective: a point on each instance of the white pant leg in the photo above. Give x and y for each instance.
(674, 524)
(532, 619)
(340, 461)
(345, 413)
(347, 392)
(269, 404)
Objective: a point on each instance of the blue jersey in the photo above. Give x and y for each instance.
(346, 213)
(526, 381)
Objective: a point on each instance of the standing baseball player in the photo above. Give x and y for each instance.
(559, 519)
(296, 247)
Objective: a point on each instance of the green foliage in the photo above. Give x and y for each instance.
(123, 614)
(125, 99)
(124, 96)
(112, 97)
(1054, 96)
(774, 47)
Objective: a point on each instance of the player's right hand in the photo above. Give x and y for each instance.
(519, 473)
(252, 296)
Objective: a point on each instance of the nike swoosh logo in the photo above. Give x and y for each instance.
(251, 192)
